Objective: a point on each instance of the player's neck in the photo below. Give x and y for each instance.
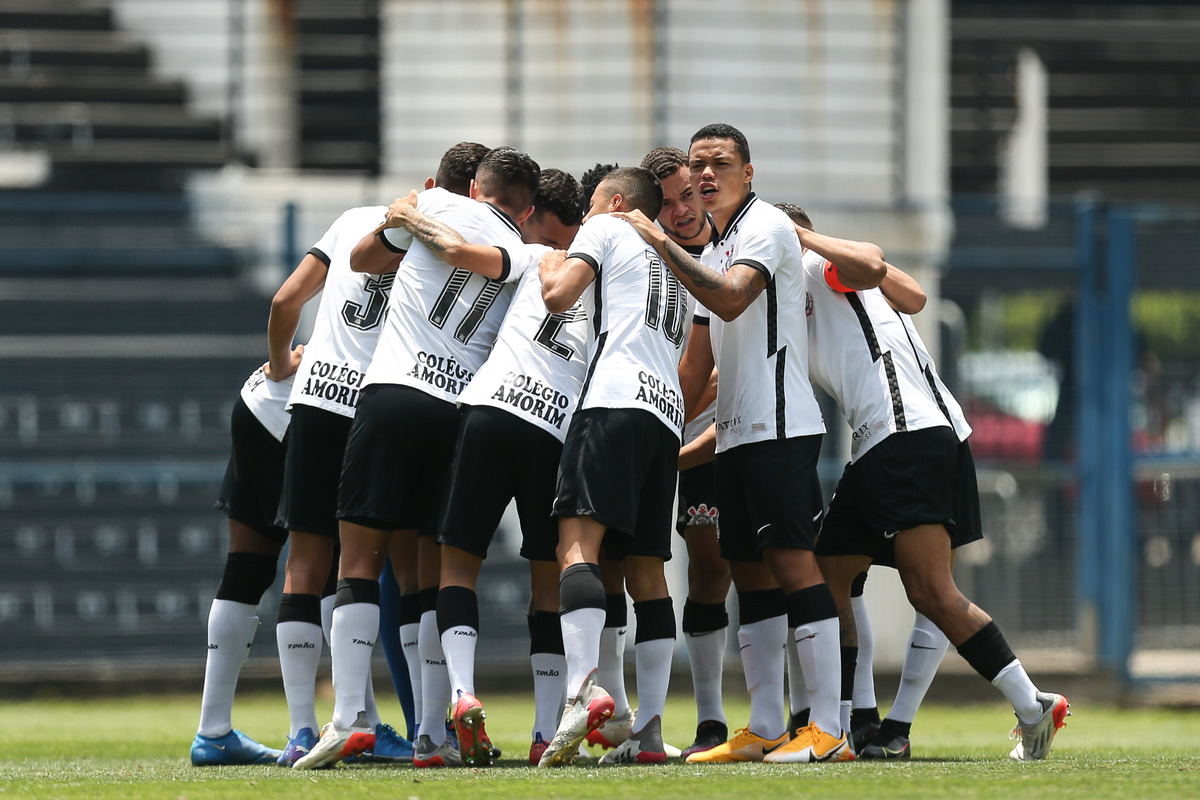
(721, 217)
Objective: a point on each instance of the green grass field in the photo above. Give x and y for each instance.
(129, 749)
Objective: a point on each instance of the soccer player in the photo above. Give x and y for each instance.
(617, 476)
(249, 497)
(520, 401)
(908, 496)
(705, 618)
(441, 324)
(769, 433)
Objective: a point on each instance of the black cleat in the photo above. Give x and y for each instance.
(709, 734)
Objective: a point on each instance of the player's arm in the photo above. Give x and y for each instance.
(301, 286)
(726, 295)
(563, 279)
(375, 253)
(700, 450)
(902, 291)
(707, 398)
(860, 265)
(445, 242)
(696, 371)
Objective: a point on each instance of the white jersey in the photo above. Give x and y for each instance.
(869, 358)
(763, 392)
(441, 322)
(267, 401)
(536, 369)
(348, 319)
(638, 309)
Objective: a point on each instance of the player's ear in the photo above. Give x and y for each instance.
(749, 172)
(524, 215)
(473, 190)
(429, 183)
(617, 203)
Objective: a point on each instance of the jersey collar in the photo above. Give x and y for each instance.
(735, 219)
(504, 217)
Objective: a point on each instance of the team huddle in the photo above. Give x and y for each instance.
(658, 328)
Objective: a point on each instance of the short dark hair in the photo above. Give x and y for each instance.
(559, 193)
(509, 177)
(797, 214)
(719, 130)
(639, 188)
(591, 179)
(458, 165)
(665, 161)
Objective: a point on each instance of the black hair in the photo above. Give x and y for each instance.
(719, 130)
(797, 214)
(559, 193)
(509, 177)
(458, 165)
(591, 179)
(639, 188)
(665, 161)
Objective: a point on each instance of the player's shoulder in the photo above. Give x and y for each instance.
(362, 215)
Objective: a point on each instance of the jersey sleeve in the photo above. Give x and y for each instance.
(761, 247)
(522, 259)
(592, 242)
(325, 246)
(398, 240)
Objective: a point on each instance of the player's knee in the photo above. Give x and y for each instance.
(247, 576)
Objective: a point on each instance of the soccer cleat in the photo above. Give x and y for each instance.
(812, 745)
(298, 746)
(709, 734)
(643, 747)
(473, 743)
(615, 731)
(896, 747)
(744, 746)
(427, 754)
(1037, 736)
(861, 736)
(390, 748)
(233, 748)
(337, 744)
(536, 749)
(586, 712)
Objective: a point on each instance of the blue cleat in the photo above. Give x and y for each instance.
(297, 747)
(390, 747)
(233, 748)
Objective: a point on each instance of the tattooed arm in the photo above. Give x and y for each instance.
(443, 241)
(726, 295)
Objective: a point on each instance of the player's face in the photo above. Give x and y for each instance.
(719, 176)
(601, 202)
(544, 227)
(681, 216)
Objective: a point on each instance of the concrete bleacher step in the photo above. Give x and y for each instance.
(54, 14)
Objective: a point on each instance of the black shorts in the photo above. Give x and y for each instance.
(312, 469)
(769, 496)
(697, 501)
(250, 490)
(397, 459)
(500, 457)
(924, 477)
(619, 467)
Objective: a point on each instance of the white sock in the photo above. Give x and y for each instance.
(820, 651)
(327, 605)
(458, 643)
(581, 639)
(435, 681)
(706, 654)
(926, 647)
(300, 645)
(610, 667)
(408, 643)
(864, 668)
(799, 698)
(1019, 690)
(652, 660)
(761, 645)
(373, 718)
(549, 678)
(844, 709)
(231, 628)
(353, 631)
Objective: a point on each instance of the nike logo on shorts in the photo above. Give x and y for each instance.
(890, 534)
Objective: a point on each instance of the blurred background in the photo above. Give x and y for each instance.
(163, 165)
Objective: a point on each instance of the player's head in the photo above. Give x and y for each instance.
(508, 178)
(625, 189)
(557, 210)
(681, 216)
(591, 179)
(458, 165)
(797, 215)
(719, 168)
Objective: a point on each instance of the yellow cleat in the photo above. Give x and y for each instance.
(812, 745)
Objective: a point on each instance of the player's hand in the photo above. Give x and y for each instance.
(287, 369)
(397, 211)
(551, 260)
(643, 225)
